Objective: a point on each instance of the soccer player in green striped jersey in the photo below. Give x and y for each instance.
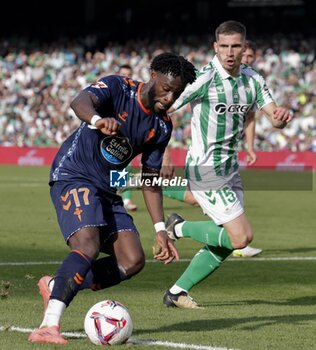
(222, 95)
(249, 57)
(185, 195)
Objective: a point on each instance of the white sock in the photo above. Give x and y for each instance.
(54, 311)
(178, 229)
(176, 290)
(51, 284)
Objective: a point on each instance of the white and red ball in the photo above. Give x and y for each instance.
(108, 322)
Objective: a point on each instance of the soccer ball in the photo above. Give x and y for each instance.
(108, 322)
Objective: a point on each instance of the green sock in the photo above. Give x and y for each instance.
(207, 232)
(204, 263)
(127, 194)
(175, 192)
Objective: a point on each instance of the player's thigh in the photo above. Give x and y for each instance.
(222, 205)
(79, 205)
(87, 241)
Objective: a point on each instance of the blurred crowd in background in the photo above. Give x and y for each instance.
(38, 82)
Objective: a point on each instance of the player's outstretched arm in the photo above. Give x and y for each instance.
(153, 199)
(167, 170)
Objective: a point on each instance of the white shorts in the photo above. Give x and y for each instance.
(223, 204)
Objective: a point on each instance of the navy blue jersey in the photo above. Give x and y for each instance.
(89, 155)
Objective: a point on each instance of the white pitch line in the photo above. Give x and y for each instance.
(176, 345)
(6, 185)
(30, 263)
(291, 258)
(30, 330)
(131, 340)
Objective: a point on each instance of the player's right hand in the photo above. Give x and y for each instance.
(283, 114)
(167, 171)
(108, 126)
(168, 251)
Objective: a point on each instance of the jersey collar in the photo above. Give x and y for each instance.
(222, 71)
(147, 111)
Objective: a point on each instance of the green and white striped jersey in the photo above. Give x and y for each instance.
(219, 104)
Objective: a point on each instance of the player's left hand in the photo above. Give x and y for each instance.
(167, 252)
(251, 157)
(282, 114)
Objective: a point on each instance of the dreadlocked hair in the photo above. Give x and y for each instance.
(175, 65)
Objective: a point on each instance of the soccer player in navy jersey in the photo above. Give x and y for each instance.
(127, 70)
(121, 118)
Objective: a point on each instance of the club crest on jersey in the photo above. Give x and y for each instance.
(115, 149)
(221, 108)
(163, 125)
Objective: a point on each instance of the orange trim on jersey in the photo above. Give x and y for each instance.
(151, 134)
(80, 278)
(77, 280)
(80, 253)
(147, 111)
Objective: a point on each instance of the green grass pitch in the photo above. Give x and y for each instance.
(250, 304)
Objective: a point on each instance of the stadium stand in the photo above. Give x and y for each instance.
(38, 81)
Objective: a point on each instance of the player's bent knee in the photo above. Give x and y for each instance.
(90, 249)
(189, 199)
(132, 266)
(239, 243)
(240, 240)
(240, 232)
(86, 241)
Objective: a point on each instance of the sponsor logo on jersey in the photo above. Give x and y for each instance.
(129, 81)
(115, 149)
(220, 89)
(123, 116)
(99, 85)
(221, 108)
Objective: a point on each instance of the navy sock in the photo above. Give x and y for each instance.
(70, 276)
(104, 273)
